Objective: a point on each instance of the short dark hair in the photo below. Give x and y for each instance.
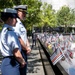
(5, 16)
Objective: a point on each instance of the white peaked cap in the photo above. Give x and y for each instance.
(24, 7)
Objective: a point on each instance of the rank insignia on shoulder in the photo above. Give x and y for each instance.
(9, 29)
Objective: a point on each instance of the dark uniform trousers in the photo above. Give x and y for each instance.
(24, 69)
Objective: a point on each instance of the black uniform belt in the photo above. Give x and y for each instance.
(8, 57)
(13, 61)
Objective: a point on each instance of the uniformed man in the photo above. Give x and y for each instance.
(10, 45)
(21, 31)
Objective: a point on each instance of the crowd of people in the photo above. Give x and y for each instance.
(14, 44)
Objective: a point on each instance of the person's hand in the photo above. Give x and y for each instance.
(28, 51)
(23, 64)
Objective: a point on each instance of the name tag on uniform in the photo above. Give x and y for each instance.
(22, 30)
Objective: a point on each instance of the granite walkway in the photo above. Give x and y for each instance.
(35, 66)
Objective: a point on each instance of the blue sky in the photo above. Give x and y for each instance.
(59, 3)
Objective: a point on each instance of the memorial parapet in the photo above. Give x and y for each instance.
(61, 48)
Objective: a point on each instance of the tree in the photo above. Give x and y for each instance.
(65, 17)
(33, 9)
(48, 15)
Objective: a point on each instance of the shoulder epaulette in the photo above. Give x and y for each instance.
(9, 29)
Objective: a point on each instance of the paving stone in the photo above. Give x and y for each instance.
(35, 66)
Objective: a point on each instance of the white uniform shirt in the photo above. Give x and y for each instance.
(9, 41)
(20, 30)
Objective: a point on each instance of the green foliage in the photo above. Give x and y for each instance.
(48, 16)
(6, 4)
(33, 9)
(42, 14)
(66, 17)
